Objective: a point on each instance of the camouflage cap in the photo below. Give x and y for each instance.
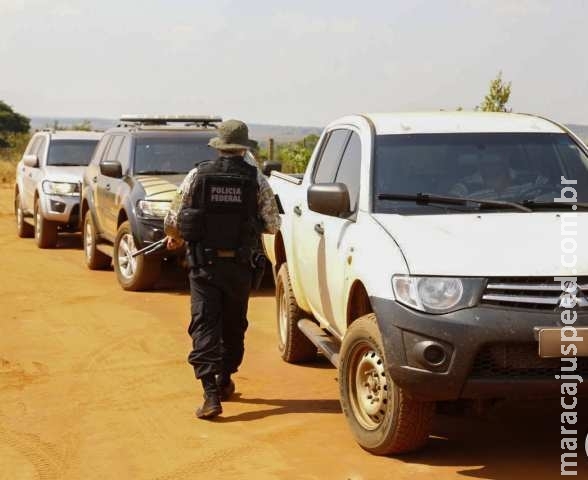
(232, 135)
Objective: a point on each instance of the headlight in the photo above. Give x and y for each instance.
(152, 208)
(437, 294)
(61, 188)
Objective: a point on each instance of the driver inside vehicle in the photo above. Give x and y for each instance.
(494, 178)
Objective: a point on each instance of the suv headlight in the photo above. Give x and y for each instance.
(152, 208)
(61, 188)
(437, 294)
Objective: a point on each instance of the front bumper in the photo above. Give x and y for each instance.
(149, 231)
(491, 352)
(63, 209)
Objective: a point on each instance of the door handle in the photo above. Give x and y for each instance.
(107, 186)
(319, 228)
(94, 179)
(298, 210)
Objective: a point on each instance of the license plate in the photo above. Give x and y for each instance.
(550, 343)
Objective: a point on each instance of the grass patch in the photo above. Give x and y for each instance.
(7, 172)
(11, 155)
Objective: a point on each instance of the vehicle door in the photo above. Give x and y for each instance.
(107, 188)
(308, 238)
(335, 260)
(119, 188)
(26, 173)
(91, 177)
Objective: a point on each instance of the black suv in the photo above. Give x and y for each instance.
(128, 187)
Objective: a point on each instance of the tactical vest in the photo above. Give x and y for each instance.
(223, 214)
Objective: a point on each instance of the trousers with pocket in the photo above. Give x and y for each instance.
(219, 297)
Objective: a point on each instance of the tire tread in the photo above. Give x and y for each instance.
(298, 347)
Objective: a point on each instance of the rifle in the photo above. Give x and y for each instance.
(149, 249)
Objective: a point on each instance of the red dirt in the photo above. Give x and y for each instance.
(94, 384)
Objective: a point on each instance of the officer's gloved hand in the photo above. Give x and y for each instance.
(173, 243)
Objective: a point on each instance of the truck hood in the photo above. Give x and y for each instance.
(489, 244)
(160, 187)
(64, 174)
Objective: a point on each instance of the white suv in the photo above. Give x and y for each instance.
(47, 189)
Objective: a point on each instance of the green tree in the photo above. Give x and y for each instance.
(295, 156)
(498, 96)
(11, 122)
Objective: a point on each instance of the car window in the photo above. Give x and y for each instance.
(171, 154)
(349, 169)
(509, 166)
(99, 152)
(123, 154)
(114, 148)
(330, 155)
(69, 153)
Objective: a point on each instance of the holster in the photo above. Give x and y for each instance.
(195, 256)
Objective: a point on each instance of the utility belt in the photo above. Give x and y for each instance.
(199, 257)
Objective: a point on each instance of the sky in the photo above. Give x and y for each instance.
(291, 62)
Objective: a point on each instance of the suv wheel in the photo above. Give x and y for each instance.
(294, 346)
(384, 419)
(45, 230)
(23, 229)
(95, 259)
(133, 273)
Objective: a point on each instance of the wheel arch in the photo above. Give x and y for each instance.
(358, 302)
(84, 207)
(279, 252)
(122, 217)
(88, 207)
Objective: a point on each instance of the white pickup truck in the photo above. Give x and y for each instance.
(435, 258)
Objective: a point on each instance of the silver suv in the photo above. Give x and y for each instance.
(48, 177)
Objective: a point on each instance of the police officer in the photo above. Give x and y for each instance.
(220, 210)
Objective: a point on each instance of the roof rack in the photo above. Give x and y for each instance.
(163, 120)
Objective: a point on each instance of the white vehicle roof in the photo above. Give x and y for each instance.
(75, 135)
(459, 122)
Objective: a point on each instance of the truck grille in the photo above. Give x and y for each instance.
(538, 293)
(520, 360)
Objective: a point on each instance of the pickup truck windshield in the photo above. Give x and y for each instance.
(70, 153)
(171, 154)
(523, 168)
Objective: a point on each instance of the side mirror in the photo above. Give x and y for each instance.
(269, 166)
(31, 161)
(111, 169)
(329, 199)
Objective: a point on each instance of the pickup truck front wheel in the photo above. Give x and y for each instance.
(383, 418)
(133, 273)
(294, 346)
(23, 229)
(45, 230)
(95, 259)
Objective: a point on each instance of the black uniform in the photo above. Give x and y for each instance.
(222, 229)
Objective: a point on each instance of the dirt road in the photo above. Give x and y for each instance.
(94, 385)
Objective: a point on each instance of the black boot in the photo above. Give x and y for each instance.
(226, 386)
(212, 406)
